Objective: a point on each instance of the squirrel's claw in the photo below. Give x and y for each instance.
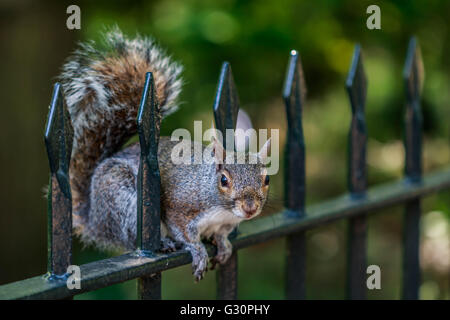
(214, 263)
(168, 245)
(199, 274)
(219, 259)
(222, 256)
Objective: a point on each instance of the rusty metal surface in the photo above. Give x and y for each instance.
(227, 279)
(148, 187)
(58, 139)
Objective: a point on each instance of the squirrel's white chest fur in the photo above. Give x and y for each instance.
(211, 221)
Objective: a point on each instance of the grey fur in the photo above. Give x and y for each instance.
(194, 208)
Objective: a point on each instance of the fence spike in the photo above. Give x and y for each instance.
(226, 109)
(226, 104)
(58, 139)
(149, 186)
(293, 95)
(356, 85)
(356, 82)
(413, 75)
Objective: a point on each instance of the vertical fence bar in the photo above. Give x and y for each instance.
(58, 139)
(226, 108)
(413, 77)
(148, 187)
(356, 85)
(293, 96)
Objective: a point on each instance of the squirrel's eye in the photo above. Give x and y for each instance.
(224, 181)
(266, 180)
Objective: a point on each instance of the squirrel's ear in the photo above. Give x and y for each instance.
(218, 152)
(262, 154)
(243, 124)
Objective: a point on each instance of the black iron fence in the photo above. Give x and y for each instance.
(146, 264)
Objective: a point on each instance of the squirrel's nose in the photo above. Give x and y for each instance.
(249, 207)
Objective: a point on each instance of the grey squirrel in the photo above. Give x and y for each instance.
(102, 87)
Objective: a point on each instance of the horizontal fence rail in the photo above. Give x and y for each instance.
(147, 263)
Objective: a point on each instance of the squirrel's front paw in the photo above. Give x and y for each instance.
(224, 251)
(199, 262)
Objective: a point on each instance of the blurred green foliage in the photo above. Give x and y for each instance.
(256, 38)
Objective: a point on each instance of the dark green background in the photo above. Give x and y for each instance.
(256, 38)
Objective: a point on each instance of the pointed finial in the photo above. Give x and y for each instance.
(58, 139)
(356, 82)
(226, 104)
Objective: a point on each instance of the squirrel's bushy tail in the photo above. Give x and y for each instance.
(102, 86)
